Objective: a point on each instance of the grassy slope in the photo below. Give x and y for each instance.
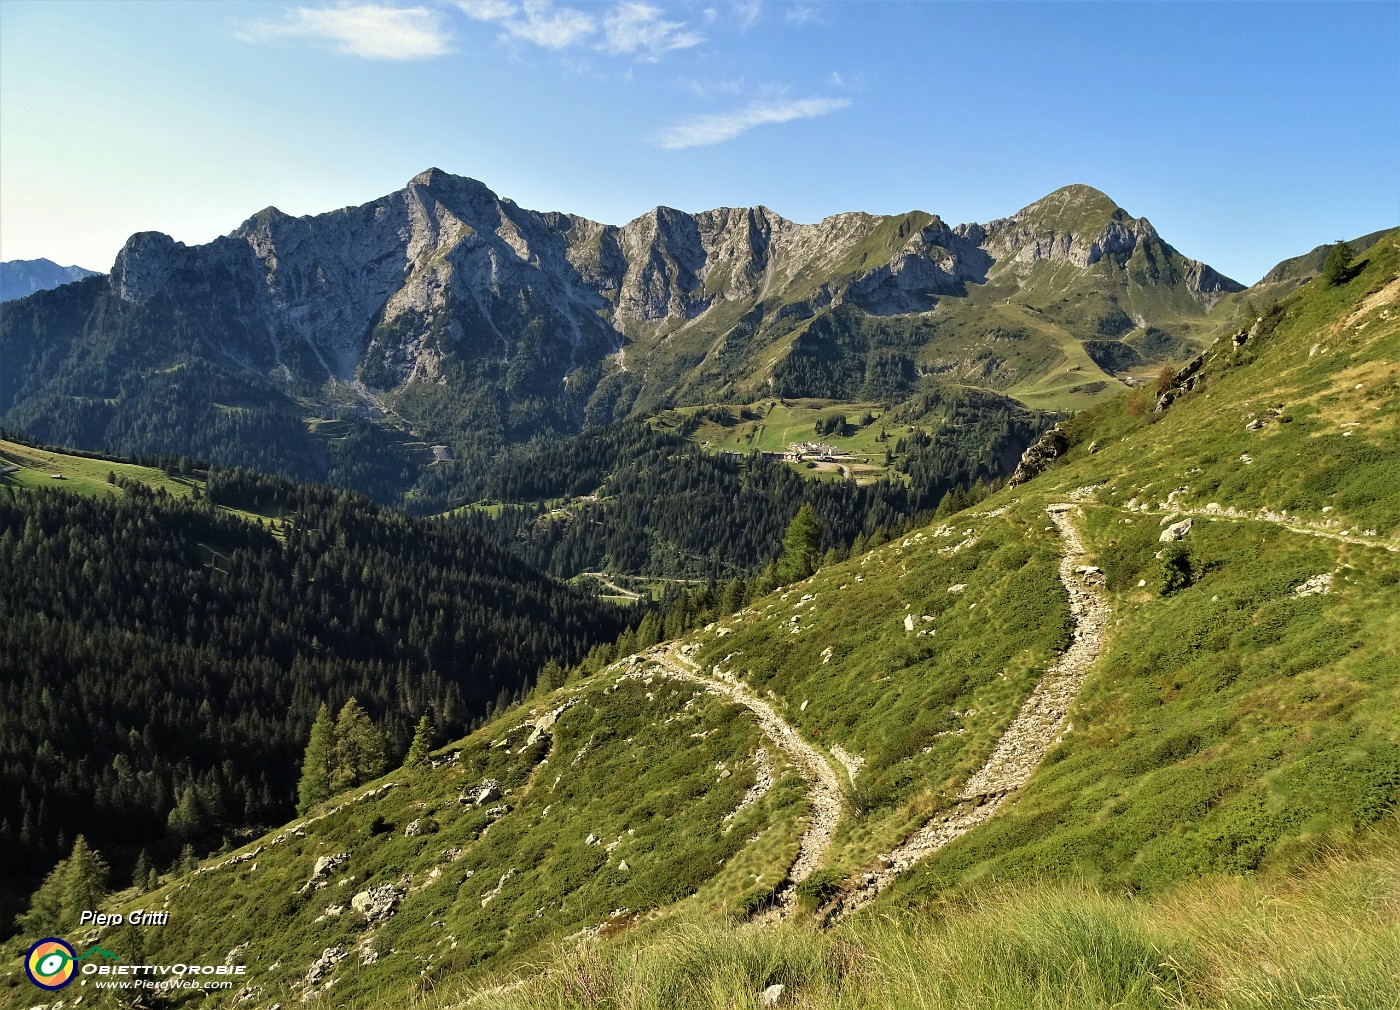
(782, 423)
(1230, 729)
(81, 474)
(1234, 733)
(1231, 724)
(611, 770)
(27, 466)
(919, 707)
(1325, 938)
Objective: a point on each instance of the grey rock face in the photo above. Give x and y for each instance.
(393, 288)
(1041, 454)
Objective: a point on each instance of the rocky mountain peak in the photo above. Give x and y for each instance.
(143, 264)
(1072, 207)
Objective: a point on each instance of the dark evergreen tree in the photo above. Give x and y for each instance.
(360, 752)
(801, 543)
(1337, 268)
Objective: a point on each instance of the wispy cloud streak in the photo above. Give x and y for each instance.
(630, 28)
(367, 30)
(715, 128)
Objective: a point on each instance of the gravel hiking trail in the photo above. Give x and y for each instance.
(823, 784)
(1020, 748)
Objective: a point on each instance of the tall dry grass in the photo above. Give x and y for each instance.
(1327, 937)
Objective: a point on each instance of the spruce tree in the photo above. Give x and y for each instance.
(360, 750)
(1337, 269)
(800, 544)
(189, 818)
(141, 874)
(318, 764)
(422, 744)
(551, 676)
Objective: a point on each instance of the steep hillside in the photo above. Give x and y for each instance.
(348, 346)
(1288, 275)
(1158, 677)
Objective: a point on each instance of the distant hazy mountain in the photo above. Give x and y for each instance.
(24, 277)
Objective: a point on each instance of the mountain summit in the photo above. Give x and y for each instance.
(464, 319)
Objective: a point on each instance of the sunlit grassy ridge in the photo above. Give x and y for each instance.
(31, 467)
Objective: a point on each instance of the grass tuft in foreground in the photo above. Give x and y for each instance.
(1326, 938)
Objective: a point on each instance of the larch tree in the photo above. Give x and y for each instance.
(360, 750)
(85, 882)
(318, 764)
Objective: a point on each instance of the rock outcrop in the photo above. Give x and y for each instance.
(477, 796)
(1040, 455)
(377, 903)
(1175, 531)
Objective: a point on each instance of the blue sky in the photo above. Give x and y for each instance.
(1246, 132)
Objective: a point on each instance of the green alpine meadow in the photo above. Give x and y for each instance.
(673, 505)
(1116, 732)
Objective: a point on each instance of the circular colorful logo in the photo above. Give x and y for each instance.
(50, 963)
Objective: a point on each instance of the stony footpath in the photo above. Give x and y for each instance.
(823, 783)
(1039, 724)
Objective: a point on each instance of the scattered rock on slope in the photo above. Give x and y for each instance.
(377, 903)
(1175, 531)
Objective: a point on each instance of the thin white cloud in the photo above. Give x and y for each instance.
(721, 126)
(746, 12)
(638, 29)
(804, 13)
(368, 30)
(487, 10)
(549, 27)
(629, 28)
